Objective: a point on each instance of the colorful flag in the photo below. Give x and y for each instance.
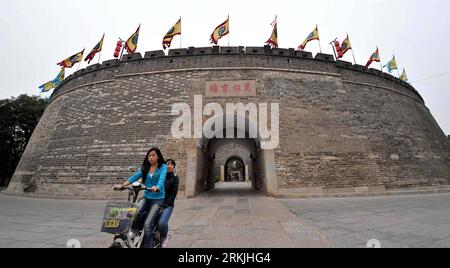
(314, 35)
(175, 30)
(54, 83)
(220, 31)
(374, 58)
(404, 77)
(95, 50)
(346, 45)
(132, 42)
(341, 49)
(273, 40)
(71, 61)
(391, 65)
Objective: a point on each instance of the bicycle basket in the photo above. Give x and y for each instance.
(118, 217)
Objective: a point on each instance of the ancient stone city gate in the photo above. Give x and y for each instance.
(343, 129)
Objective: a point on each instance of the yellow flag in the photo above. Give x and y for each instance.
(220, 31)
(404, 77)
(175, 30)
(132, 42)
(314, 35)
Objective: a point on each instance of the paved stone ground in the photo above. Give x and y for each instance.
(399, 221)
(234, 216)
(42, 223)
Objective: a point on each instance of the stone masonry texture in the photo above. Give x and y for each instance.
(343, 128)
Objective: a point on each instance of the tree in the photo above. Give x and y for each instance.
(18, 119)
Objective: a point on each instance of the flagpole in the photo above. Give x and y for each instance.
(320, 46)
(353, 54)
(354, 60)
(334, 50)
(81, 61)
(381, 65)
(123, 48)
(181, 35)
(100, 54)
(229, 33)
(276, 25)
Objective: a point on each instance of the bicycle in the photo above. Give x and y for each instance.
(120, 216)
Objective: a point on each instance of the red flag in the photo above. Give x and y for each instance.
(95, 50)
(374, 58)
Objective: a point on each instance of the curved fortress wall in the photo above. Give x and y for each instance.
(343, 129)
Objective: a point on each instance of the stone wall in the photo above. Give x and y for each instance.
(344, 129)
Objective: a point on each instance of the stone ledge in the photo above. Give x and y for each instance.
(364, 193)
(324, 57)
(283, 52)
(331, 190)
(154, 54)
(303, 54)
(178, 52)
(311, 194)
(131, 57)
(200, 50)
(231, 50)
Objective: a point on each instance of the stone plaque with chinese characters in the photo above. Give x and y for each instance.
(236, 88)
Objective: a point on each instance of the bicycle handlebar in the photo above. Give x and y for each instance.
(142, 187)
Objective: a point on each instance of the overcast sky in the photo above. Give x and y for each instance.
(37, 34)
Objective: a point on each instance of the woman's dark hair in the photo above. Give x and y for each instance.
(146, 165)
(172, 162)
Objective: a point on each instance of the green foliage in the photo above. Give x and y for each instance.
(18, 118)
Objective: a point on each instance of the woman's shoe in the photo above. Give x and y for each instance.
(165, 243)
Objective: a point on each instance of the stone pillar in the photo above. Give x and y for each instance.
(191, 186)
(222, 173)
(247, 178)
(268, 175)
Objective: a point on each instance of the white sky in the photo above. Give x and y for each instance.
(37, 34)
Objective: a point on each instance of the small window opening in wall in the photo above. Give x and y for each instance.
(281, 53)
(108, 64)
(177, 53)
(202, 52)
(289, 61)
(229, 51)
(255, 51)
(171, 61)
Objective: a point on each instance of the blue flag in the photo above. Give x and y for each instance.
(54, 83)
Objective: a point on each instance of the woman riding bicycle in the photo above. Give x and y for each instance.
(171, 189)
(153, 174)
